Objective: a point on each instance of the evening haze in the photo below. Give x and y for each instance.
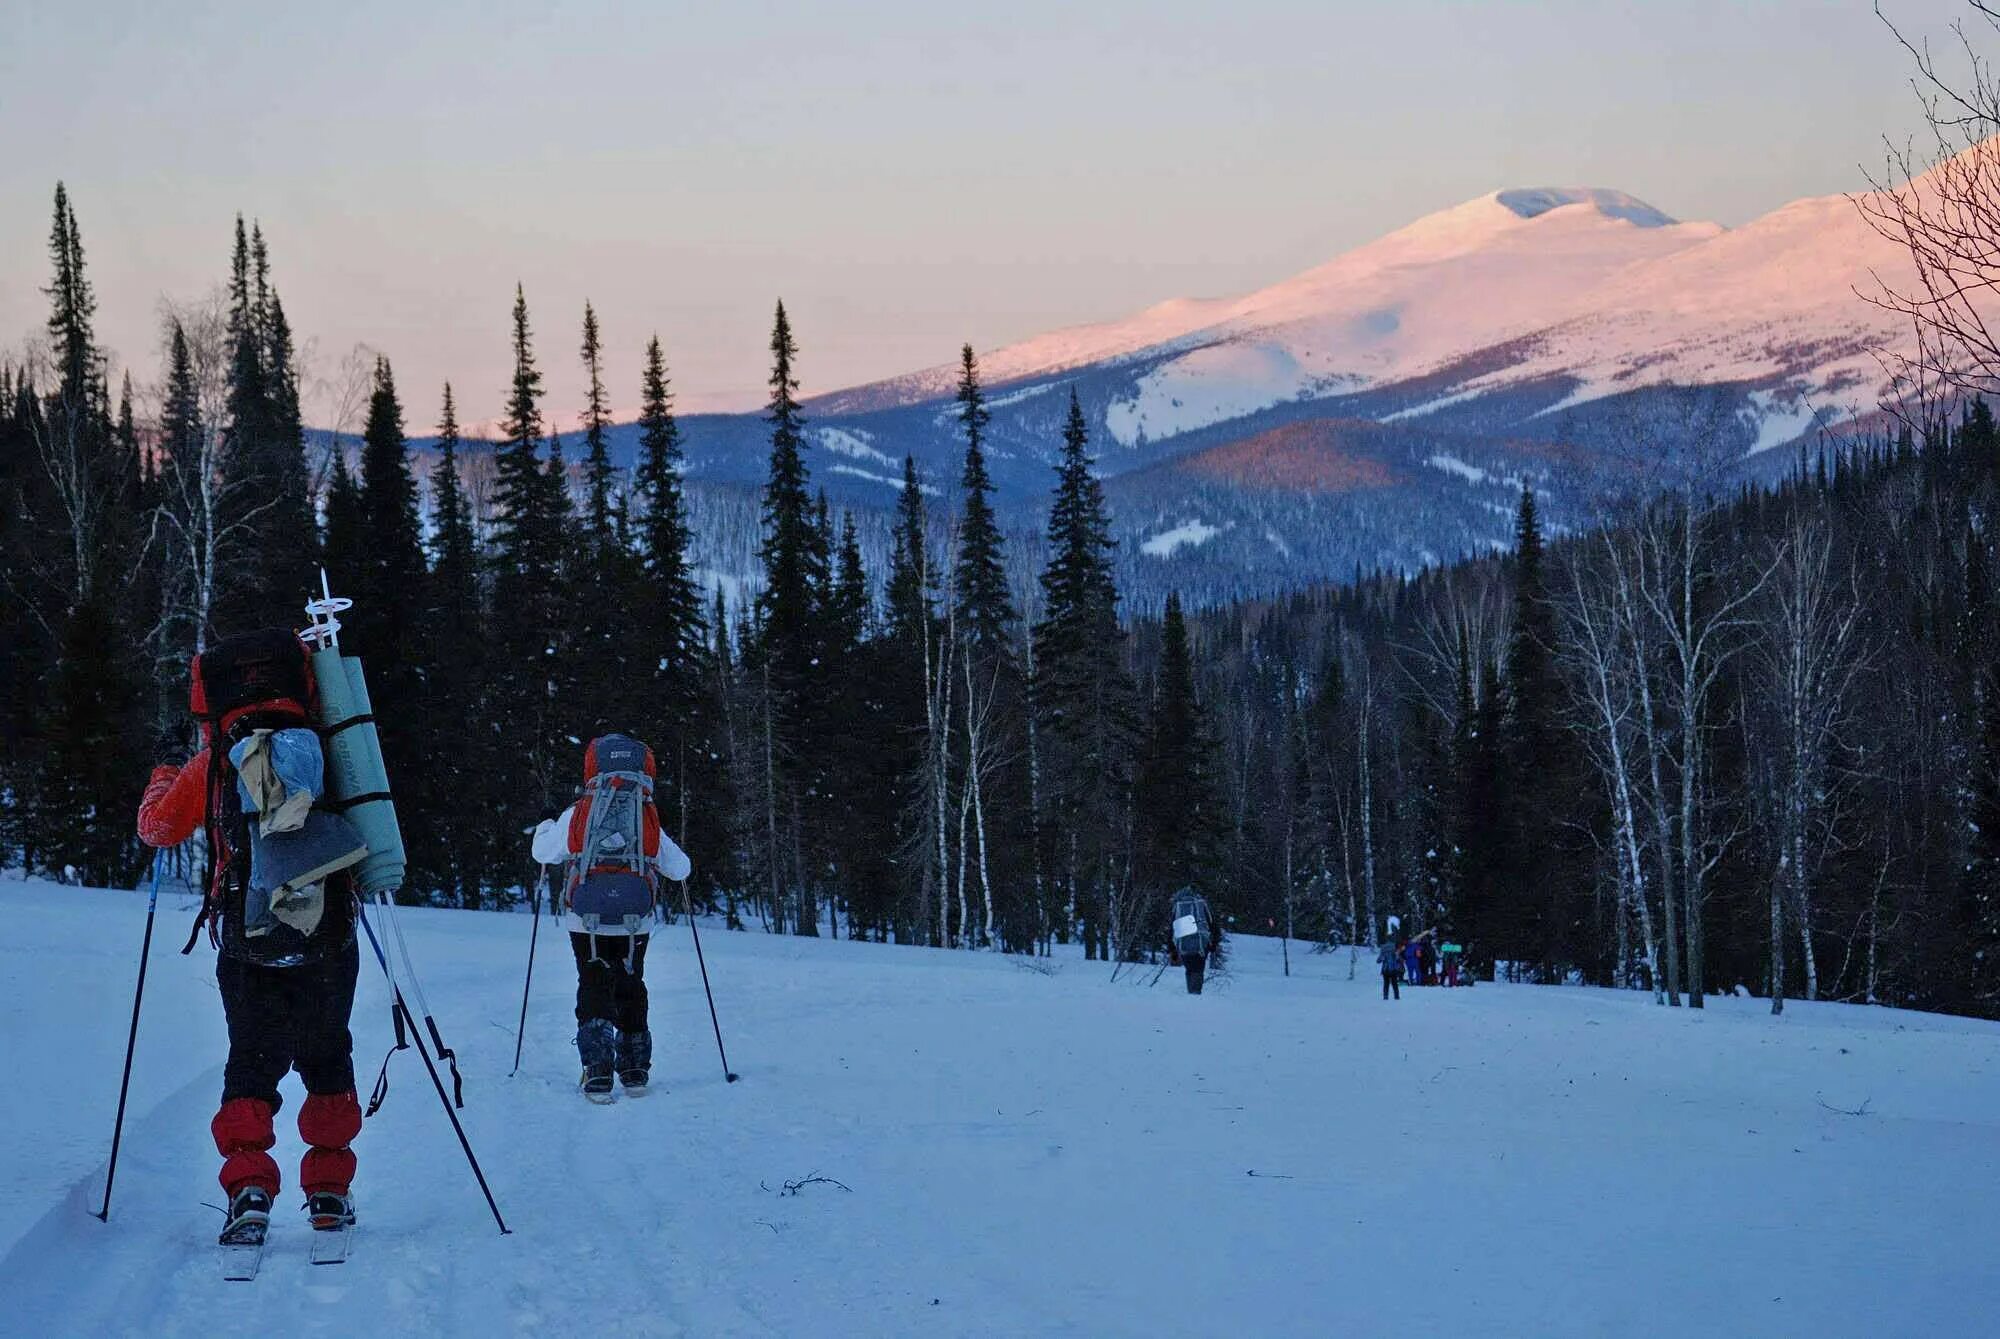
(905, 177)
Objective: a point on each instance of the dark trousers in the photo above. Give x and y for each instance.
(1392, 981)
(1197, 967)
(614, 987)
(286, 1018)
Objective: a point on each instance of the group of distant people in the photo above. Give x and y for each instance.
(1422, 960)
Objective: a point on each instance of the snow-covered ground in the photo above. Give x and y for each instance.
(1025, 1153)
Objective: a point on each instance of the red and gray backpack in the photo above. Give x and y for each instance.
(615, 831)
(255, 680)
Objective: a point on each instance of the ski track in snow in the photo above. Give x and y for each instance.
(1028, 1153)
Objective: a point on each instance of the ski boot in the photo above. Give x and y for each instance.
(249, 1218)
(328, 1212)
(594, 1042)
(635, 1060)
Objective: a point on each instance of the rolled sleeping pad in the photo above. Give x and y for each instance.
(355, 776)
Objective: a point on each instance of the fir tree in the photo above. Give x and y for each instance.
(346, 519)
(1531, 922)
(598, 473)
(676, 684)
(794, 573)
(985, 607)
(789, 638)
(387, 621)
(1177, 806)
(908, 597)
(903, 663)
(664, 537)
(465, 771)
(78, 545)
(528, 605)
(392, 573)
(1082, 694)
(266, 551)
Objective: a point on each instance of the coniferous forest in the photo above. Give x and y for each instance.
(1742, 737)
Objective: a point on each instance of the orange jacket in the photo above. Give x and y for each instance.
(176, 802)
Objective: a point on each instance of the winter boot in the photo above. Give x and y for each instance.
(595, 1042)
(249, 1216)
(635, 1059)
(328, 1212)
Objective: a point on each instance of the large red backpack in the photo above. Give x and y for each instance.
(250, 681)
(615, 831)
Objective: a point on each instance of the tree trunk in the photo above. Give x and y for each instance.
(1777, 965)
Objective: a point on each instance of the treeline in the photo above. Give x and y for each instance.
(934, 753)
(1740, 739)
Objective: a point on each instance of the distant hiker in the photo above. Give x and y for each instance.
(1391, 963)
(612, 842)
(280, 911)
(1426, 959)
(1412, 962)
(1451, 953)
(1193, 936)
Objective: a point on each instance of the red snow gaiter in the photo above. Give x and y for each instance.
(243, 1136)
(328, 1122)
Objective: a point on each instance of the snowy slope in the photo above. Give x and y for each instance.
(1450, 282)
(1027, 1153)
(1515, 287)
(1538, 334)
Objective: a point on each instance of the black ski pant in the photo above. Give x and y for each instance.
(1392, 981)
(1197, 967)
(286, 1018)
(613, 987)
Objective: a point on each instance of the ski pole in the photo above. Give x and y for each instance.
(131, 1041)
(403, 1012)
(686, 906)
(521, 1031)
(444, 1053)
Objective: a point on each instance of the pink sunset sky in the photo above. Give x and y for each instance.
(906, 177)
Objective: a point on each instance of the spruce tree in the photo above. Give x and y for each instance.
(528, 605)
(387, 622)
(904, 658)
(1530, 922)
(467, 769)
(985, 607)
(346, 520)
(1177, 809)
(1082, 694)
(598, 474)
(183, 534)
(788, 636)
(677, 635)
(676, 704)
(79, 527)
(986, 622)
(910, 593)
(392, 573)
(266, 551)
(793, 576)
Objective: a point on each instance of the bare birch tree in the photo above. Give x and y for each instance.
(1811, 656)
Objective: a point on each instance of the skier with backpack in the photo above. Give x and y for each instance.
(615, 851)
(1194, 937)
(280, 910)
(1391, 960)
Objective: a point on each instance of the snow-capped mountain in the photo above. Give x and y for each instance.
(1383, 408)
